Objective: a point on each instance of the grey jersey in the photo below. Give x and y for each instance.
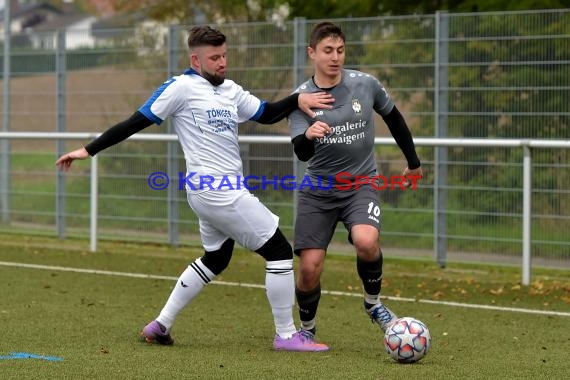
(350, 145)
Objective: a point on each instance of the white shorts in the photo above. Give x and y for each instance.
(235, 214)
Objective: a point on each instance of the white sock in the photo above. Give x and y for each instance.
(280, 289)
(309, 325)
(372, 299)
(189, 284)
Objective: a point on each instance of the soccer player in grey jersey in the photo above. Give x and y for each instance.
(339, 146)
(205, 109)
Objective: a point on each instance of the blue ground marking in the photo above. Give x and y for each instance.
(26, 355)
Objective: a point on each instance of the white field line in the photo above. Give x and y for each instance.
(258, 286)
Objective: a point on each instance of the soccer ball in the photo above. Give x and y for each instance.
(407, 340)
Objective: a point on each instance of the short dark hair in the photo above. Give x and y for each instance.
(204, 35)
(324, 30)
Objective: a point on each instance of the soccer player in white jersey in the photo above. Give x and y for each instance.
(205, 109)
(341, 140)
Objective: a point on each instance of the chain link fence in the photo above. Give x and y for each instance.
(473, 75)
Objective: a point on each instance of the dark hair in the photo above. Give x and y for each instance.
(324, 30)
(204, 35)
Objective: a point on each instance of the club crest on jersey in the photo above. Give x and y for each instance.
(356, 106)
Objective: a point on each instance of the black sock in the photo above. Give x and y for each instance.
(370, 273)
(308, 303)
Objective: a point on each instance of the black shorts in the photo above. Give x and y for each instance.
(319, 211)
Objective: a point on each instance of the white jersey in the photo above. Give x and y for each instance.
(206, 119)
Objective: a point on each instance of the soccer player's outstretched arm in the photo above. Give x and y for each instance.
(401, 133)
(117, 133)
(274, 112)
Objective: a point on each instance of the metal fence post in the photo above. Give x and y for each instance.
(60, 67)
(5, 144)
(299, 64)
(172, 147)
(93, 203)
(441, 110)
(527, 215)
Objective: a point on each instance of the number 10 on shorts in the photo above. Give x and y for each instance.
(373, 212)
(373, 209)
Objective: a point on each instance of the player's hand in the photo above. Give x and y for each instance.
(315, 100)
(317, 129)
(64, 162)
(412, 177)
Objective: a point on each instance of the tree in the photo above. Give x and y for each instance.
(204, 11)
(183, 11)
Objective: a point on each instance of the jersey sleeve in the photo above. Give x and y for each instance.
(383, 103)
(298, 120)
(298, 123)
(248, 106)
(165, 101)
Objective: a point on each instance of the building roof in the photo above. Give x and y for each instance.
(18, 10)
(44, 16)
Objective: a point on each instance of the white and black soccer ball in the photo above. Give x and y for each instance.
(408, 340)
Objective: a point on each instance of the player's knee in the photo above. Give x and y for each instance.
(364, 238)
(309, 274)
(276, 248)
(366, 248)
(307, 279)
(218, 260)
(311, 263)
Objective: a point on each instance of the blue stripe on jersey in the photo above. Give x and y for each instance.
(259, 111)
(145, 108)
